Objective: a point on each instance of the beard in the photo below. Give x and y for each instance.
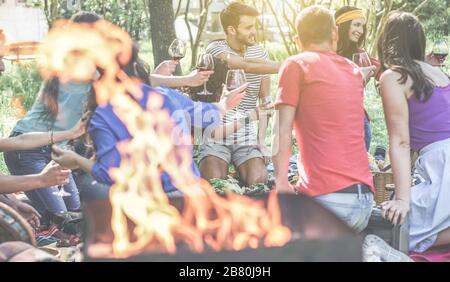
(248, 40)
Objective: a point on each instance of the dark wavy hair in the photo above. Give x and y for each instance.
(231, 15)
(346, 47)
(402, 42)
(49, 91)
(135, 68)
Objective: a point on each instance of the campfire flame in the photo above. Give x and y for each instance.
(19, 109)
(73, 52)
(3, 47)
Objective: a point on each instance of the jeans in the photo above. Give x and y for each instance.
(367, 133)
(90, 189)
(43, 199)
(353, 208)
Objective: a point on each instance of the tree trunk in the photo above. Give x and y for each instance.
(201, 28)
(162, 28)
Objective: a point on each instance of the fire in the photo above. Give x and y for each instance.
(3, 47)
(73, 52)
(17, 104)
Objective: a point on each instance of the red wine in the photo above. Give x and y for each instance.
(200, 69)
(440, 57)
(176, 58)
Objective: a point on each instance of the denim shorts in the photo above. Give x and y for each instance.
(237, 154)
(353, 208)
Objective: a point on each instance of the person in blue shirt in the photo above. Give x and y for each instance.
(106, 129)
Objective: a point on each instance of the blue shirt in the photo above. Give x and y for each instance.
(71, 105)
(106, 129)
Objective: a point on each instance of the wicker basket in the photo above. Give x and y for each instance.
(384, 186)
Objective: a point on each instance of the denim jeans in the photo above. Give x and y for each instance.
(44, 199)
(367, 133)
(353, 208)
(90, 189)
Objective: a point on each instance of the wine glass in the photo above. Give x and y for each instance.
(235, 79)
(177, 50)
(362, 59)
(61, 191)
(440, 51)
(205, 62)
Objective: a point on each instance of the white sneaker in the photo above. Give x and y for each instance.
(376, 249)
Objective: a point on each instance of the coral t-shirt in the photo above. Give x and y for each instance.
(327, 92)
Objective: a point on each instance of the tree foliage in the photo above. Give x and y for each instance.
(134, 16)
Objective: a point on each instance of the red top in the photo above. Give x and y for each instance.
(327, 91)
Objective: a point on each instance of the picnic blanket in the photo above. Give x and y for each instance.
(441, 254)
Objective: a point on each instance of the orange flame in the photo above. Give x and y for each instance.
(72, 52)
(17, 104)
(3, 47)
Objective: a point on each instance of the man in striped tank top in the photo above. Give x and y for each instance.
(245, 148)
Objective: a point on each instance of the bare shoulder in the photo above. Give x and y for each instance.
(390, 76)
(391, 85)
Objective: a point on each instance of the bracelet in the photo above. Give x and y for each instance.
(51, 138)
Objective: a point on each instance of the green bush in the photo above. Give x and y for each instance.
(18, 81)
(21, 81)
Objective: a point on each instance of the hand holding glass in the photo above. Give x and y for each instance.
(62, 192)
(440, 51)
(362, 59)
(205, 62)
(177, 50)
(235, 78)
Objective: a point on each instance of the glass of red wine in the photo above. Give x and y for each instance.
(177, 50)
(235, 79)
(440, 51)
(205, 62)
(61, 191)
(362, 59)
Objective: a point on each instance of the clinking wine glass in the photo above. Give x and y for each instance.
(235, 79)
(440, 51)
(61, 191)
(205, 62)
(362, 59)
(177, 50)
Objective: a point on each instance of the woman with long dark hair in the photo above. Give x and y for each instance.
(416, 100)
(351, 24)
(58, 108)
